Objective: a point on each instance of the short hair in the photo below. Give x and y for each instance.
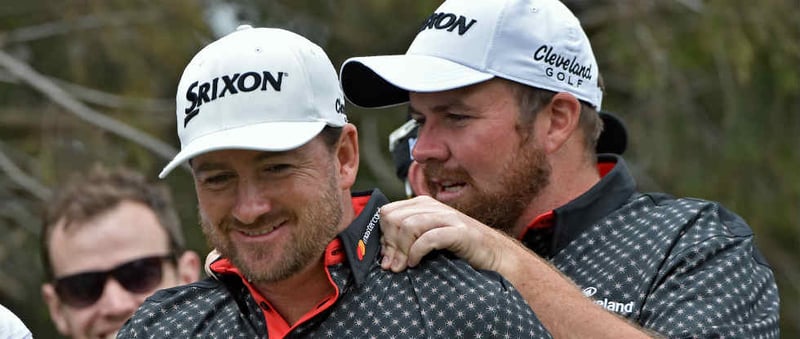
(532, 99)
(86, 197)
(330, 135)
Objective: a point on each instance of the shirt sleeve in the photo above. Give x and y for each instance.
(515, 319)
(716, 284)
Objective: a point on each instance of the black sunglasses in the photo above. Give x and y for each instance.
(137, 276)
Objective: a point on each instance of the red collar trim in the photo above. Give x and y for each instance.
(604, 167)
(548, 219)
(543, 220)
(359, 203)
(277, 326)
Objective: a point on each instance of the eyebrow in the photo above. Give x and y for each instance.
(453, 104)
(206, 166)
(216, 165)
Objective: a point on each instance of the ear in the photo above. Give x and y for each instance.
(188, 267)
(56, 308)
(347, 156)
(562, 116)
(416, 178)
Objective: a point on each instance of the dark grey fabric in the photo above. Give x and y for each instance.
(686, 268)
(441, 298)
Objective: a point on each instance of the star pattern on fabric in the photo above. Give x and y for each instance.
(441, 298)
(673, 266)
(453, 303)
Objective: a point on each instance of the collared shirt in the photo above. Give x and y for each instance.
(443, 297)
(680, 266)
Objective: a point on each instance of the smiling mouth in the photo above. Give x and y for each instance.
(261, 231)
(257, 233)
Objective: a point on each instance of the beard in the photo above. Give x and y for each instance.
(314, 224)
(520, 181)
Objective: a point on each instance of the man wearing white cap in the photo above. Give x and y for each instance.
(506, 95)
(261, 120)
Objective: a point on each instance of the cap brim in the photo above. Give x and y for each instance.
(614, 137)
(382, 81)
(272, 137)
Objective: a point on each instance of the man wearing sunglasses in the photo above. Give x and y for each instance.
(109, 240)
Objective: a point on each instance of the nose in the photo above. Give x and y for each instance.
(117, 302)
(430, 146)
(251, 202)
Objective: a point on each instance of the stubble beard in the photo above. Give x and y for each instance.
(520, 182)
(314, 226)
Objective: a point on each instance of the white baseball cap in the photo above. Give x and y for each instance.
(539, 43)
(261, 89)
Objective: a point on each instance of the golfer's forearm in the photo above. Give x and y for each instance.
(558, 302)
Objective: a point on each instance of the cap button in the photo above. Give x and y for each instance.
(243, 27)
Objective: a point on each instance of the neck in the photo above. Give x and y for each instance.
(294, 297)
(570, 177)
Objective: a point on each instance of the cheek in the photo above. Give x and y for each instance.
(213, 206)
(485, 152)
(80, 321)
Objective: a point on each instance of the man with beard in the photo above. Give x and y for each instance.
(261, 120)
(506, 95)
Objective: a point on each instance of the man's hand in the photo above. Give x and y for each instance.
(413, 228)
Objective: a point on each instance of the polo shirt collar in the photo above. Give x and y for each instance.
(576, 216)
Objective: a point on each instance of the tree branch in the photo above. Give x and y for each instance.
(23, 180)
(63, 27)
(97, 97)
(63, 99)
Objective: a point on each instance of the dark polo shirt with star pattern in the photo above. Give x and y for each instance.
(686, 268)
(443, 297)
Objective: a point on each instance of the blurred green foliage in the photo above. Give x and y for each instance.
(710, 92)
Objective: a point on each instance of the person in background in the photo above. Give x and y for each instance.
(506, 95)
(11, 327)
(401, 144)
(110, 238)
(261, 120)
